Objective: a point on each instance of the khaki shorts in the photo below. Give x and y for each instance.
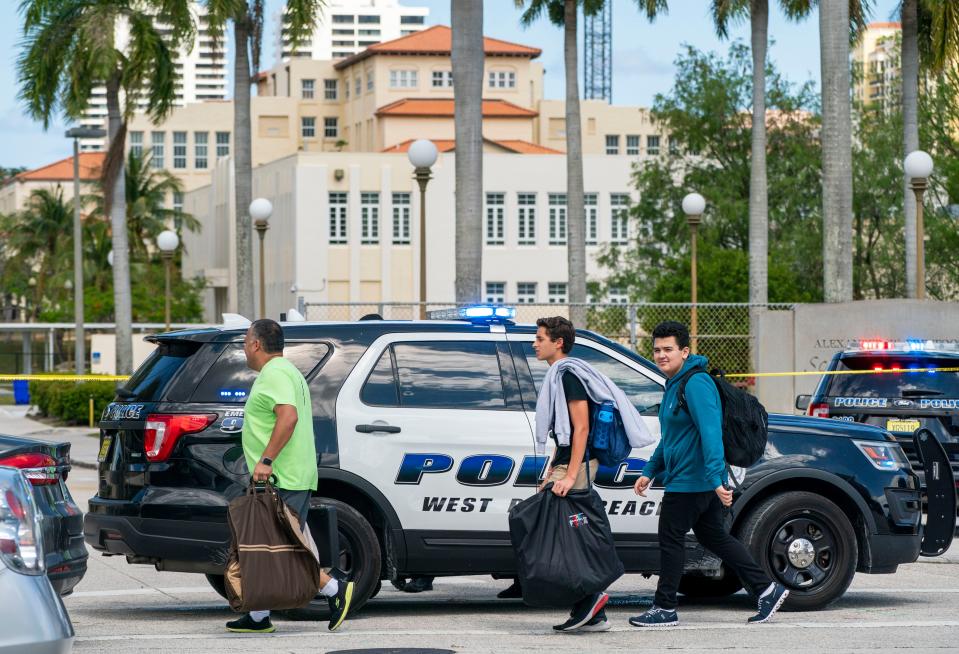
(559, 472)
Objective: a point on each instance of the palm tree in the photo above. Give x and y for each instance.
(564, 13)
(69, 46)
(247, 17)
(38, 238)
(469, 58)
(147, 215)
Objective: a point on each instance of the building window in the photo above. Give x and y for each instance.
(179, 150)
(341, 19)
(222, 144)
(403, 79)
(200, 149)
(369, 218)
(369, 33)
(342, 32)
(307, 127)
(412, 20)
(346, 88)
(557, 219)
(157, 146)
(369, 20)
(617, 295)
(331, 128)
(632, 144)
(495, 218)
(401, 218)
(652, 145)
(673, 145)
(329, 89)
(369, 80)
(358, 88)
(502, 79)
(307, 88)
(136, 143)
(525, 292)
(557, 293)
(442, 79)
(612, 144)
(177, 202)
(592, 228)
(495, 292)
(338, 218)
(619, 218)
(527, 218)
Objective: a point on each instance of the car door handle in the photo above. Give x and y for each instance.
(377, 428)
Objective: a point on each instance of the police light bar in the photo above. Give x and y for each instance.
(479, 313)
(908, 345)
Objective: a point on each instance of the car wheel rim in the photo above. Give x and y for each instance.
(804, 552)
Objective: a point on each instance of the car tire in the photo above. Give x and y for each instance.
(698, 586)
(360, 560)
(822, 562)
(218, 583)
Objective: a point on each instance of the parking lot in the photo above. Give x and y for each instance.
(125, 608)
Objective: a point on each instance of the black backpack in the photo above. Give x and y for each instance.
(745, 421)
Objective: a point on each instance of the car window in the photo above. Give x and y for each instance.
(153, 375)
(645, 393)
(895, 383)
(380, 387)
(229, 379)
(449, 375)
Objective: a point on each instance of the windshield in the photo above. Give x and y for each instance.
(895, 383)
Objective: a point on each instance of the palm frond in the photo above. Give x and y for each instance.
(727, 12)
(653, 8)
(302, 16)
(942, 17)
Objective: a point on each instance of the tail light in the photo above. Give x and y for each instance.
(819, 410)
(164, 429)
(20, 546)
(39, 469)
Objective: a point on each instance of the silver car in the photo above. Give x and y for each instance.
(33, 620)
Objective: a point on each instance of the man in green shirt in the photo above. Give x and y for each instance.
(278, 441)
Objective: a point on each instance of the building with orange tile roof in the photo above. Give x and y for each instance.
(16, 190)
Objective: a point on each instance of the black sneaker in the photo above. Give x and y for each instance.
(656, 617)
(584, 612)
(418, 585)
(513, 592)
(769, 603)
(598, 623)
(247, 625)
(340, 604)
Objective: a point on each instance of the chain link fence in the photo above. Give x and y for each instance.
(722, 335)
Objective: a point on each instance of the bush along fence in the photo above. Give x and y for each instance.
(722, 335)
(70, 401)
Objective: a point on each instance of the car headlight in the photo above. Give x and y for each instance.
(883, 455)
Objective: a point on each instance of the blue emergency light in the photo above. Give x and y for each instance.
(477, 313)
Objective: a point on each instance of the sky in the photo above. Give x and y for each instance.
(643, 56)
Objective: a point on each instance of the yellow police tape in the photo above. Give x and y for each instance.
(73, 378)
(801, 373)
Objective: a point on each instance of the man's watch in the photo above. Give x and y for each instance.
(267, 461)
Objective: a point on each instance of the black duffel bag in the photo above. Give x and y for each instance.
(564, 547)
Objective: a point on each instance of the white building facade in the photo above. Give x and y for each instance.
(201, 70)
(347, 27)
(345, 228)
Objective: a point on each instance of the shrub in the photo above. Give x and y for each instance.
(70, 401)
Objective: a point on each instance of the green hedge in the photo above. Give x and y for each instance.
(70, 401)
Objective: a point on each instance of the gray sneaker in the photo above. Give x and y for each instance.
(769, 603)
(656, 618)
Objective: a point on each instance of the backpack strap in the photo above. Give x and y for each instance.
(682, 388)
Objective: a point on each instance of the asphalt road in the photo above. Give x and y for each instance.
(132, 608)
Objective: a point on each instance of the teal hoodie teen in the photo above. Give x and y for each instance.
(689, 457)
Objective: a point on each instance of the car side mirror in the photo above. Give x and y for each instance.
(802, 402)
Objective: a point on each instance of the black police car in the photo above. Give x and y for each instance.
(899, 386)
(424, 433)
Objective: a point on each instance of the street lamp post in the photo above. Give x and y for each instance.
(168, 242)
(260, 211)
(76, 134)
(422, 154)
(918, 167)
(693, 206)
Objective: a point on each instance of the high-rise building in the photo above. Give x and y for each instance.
(201, 68)
(347, 27)
(876, 61)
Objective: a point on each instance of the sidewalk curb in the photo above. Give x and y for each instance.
(83, 464)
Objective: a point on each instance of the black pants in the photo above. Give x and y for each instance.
(703, 513)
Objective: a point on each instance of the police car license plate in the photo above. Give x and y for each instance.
(104, 447)
(902, 426)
